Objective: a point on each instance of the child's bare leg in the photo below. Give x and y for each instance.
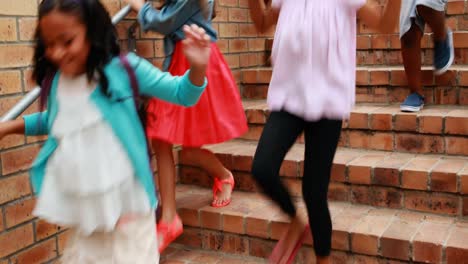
(411, 52)
(166, 179)
(208, 161)
(292, 236)
(444, 53)
(436, 20)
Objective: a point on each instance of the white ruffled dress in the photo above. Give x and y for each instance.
(89, 182)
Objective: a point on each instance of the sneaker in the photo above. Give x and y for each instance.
(443, 54)
(413, 103)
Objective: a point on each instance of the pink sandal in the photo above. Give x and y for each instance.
(169, 232)
(218, 186)
(299, 244)
(274, 255)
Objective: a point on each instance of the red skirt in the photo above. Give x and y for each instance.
(217, 117)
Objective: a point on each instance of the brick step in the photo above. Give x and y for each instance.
(251, 224)
(425, 183)
(393, 57)
(365, 58)
(379, 85)
(435, 129)
(181, 254)
(373, 41)
(376, 57)
(378, 49)
(188, 253)
(260, 248)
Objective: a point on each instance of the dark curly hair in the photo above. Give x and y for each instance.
(100, 33)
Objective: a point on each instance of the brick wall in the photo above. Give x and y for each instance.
(238, 40)
(24, 239)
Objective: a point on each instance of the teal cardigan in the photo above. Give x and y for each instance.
(119, 111)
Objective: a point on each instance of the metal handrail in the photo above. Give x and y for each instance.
(31, 96)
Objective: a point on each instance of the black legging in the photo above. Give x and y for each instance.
(321, 140)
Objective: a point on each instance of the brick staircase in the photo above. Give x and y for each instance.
(399, 187)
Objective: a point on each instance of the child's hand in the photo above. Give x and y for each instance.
(384, 22)
(11, 127)
(196, 46)
(136, 4)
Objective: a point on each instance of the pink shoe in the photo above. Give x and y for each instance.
(274, 257)
(169, 232)
(218, 186)
(298, 245)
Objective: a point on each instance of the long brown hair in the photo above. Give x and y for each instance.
(100, 33)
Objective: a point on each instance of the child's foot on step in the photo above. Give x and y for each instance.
(168, 231)
(443, 54)
(413, 103)
(285, 247)
(222, 196)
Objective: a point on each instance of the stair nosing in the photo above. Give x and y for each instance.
(350, 231)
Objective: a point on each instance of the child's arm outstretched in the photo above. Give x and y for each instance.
(183, 90)
(263, 16)
(31, 125)
(12, 127)
(384, 23)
